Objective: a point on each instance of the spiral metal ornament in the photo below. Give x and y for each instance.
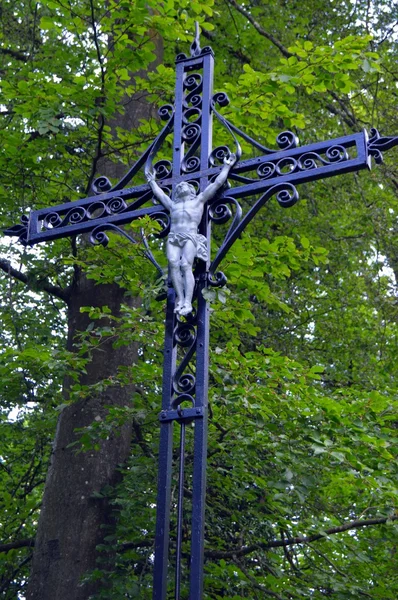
(194, 86)
(310, 160)
(221, 99)
(163, 168)
(336, 154)
(190, 133)
(185, 334)
(219, 212)
(218, 155)
(116, 205)
(288, 196)
(266, 170)
(165, 112)
(163, 218)
(287, 140)
(195, 100)
(190, 164)
(185, 384)
(101, 185)
(52, 220)
(75, 215)
(194, 81)
(182, 398)
(98, 237)
(217, 279)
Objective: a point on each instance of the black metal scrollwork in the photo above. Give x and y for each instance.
(184, 383)
(98, 237)
(21, 230)
(286, 195)
(378, 144)
(192, 119)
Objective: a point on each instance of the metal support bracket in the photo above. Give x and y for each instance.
(181, 414)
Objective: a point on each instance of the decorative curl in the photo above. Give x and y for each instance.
(101, 185)
(194, 80)
(310, 161)
(336, 154)
(287, 140)
(185, 384)
(218, 155)
(190, 164)
(220, 213)
(266, 170)
(163, 169)
(221, 99)
(217, 279)
(163, 219)
(185, 334)
(165, 112)
(74, 216)
(288, 196)
(190, 133)
(194, 99)
(99, 237)
(52, 220)
(116, 205)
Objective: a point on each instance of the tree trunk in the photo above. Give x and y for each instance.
(73, 521)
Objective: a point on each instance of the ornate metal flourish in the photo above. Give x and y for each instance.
(192, 121)
(102, 184)
(20, 230)
(378, 144)
(99, 237)
(286, 195)
(286, 140)
(184, 384)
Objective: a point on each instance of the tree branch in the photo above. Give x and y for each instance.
(53, 290)
(26, 543)
(14, 54)
(243, 551)
(260, 30)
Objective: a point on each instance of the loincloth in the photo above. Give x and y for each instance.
(198, 240)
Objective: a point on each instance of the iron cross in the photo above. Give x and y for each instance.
(275, 172)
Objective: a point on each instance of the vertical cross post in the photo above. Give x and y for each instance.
(191, 149)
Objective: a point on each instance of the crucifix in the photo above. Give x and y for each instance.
(186, 195)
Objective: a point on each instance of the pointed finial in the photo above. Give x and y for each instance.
(195, 46)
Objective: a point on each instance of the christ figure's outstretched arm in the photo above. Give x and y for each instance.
(158, 192)
(211, 189)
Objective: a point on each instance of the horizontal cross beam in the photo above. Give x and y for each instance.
(296, 165)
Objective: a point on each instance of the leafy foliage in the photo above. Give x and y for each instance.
(302, 495)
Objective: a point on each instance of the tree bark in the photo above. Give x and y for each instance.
(73, 520)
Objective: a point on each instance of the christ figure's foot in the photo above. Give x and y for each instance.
(178, 306)
(186, 309)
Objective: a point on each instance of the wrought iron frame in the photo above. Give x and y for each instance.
(276, 173)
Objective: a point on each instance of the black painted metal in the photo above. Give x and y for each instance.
(275, 172)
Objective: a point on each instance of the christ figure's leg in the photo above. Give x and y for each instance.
(187, 258)
(174, 257)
